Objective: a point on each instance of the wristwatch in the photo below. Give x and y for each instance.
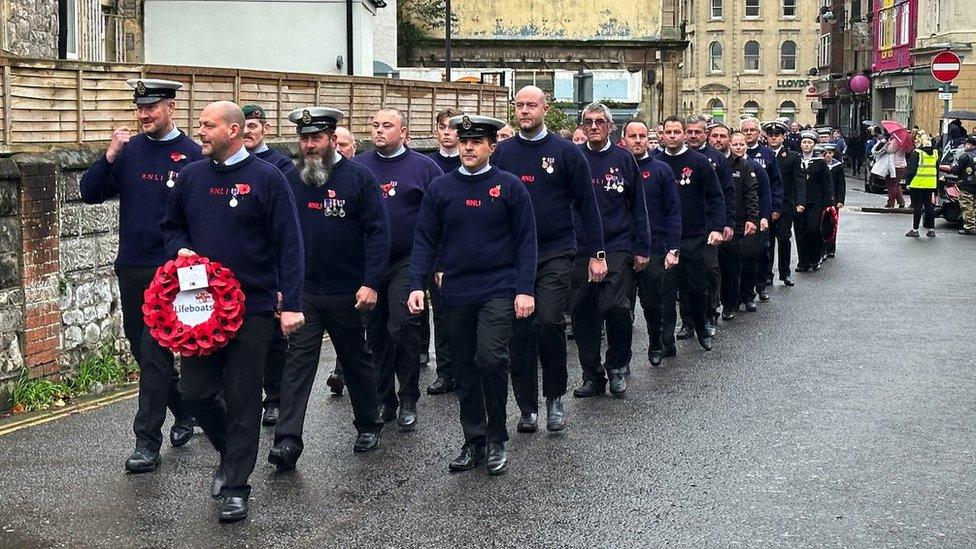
(600, 255)
(675, 252)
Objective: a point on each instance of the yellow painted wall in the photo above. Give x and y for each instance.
(557, 19)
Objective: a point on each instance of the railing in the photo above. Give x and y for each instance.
(65, 104)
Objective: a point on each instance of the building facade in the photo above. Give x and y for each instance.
(749, 57)
(845, 51)
(948, 24)
(893, 80)
(85, 30)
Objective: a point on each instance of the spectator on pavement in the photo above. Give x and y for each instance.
(963, 168)
(889, 164)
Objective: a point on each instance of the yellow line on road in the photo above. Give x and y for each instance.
(78, 408)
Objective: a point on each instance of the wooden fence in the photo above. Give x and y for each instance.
(65, 104)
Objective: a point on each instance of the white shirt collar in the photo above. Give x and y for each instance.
(646, 155)
(173, 134)
(606, 147)
(260, 148)
(237, 157)
(399, 151)
(449, 155)
(464, 171)
(751, 147)
(336, 157)
(684, 149)
(539, 136)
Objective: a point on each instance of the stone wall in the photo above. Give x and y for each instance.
(11, 292)
(32, 28)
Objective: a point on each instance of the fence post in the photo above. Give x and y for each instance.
(8, 115)
(80, 113)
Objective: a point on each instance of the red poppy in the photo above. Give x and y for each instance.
(686, 172)
(243, 188)
(332, 193)
(176, 156)
(645, 174)
(495, 191)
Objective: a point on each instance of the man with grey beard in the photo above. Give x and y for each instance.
(347, 237)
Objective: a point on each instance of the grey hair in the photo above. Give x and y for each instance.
(750, 120)
(601, 108)
(695, 119)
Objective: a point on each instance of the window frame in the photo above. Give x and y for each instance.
(783, 56)
(746, 56)
(713, 4)
(711, 58)
(793, 5)
(746, 7)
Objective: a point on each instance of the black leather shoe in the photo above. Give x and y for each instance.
(669, 351)
(817, 265)
(685, 332)
(440, 386)
(407, 418)
(284, 456)
(234, 509)
(727, 315)
(769, 280)
(497, 458)
(217, 484)
(180, 433)
(589, 389)
(711, 326)
(788, 281)
(142, 461)
(270, 417)
(335, 383)
(618, 384)
(705, 342)
(751, 306)
(388, 412)
(801, 268)
(366, 442)
(555, 415)
(528, 423)
(763, 296)
(470, 457)
(656, 356)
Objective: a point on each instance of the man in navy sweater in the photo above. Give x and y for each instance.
(449, 159)
(793, 195)
(347, 243)
(255, 126)
(766, 158)
(237, 210)
(476, 224)
(620, 196)
(141, 171)
(393, 333)
(556, 175)
(702, 223)
(664, 218)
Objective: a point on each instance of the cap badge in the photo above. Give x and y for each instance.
(140, 88)
(306, 117)
(466, 122)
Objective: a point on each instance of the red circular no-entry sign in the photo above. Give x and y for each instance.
(946, 66)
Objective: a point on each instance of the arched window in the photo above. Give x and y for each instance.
(787, 109)
(717, 110)
(751, 51)
(787, 56)
(751, 108)
(715, 64)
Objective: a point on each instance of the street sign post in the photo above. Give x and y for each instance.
(946, 66)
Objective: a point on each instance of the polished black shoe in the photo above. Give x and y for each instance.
(705, 342)
(589, 389)
(217, 483)
(727, 315)
(497, 458)
(142, 461)
(711, 326)
(528, 423)
(335, 383)
(366, 442)
(270, 417)
(180, 433)
(234, 509)
(470, 457)
(669, 351)
(817, 265)
(284, 456)
(656, 356)
(764, 296)
(388, 412)
(787, 281)
(440, 386)
(802, 268)
(555, 415)
(618, 384)
(407, 418)
(751, 306)
(685, 332)
(967, 232)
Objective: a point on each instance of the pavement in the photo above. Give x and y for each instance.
(839, 415)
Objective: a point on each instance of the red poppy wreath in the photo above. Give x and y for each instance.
(193, 322)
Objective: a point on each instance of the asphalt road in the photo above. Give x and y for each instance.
(839, 415)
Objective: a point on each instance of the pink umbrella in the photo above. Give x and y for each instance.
(899, 134)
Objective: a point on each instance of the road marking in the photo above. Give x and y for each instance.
(68, 411)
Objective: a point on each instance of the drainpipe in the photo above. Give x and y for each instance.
(349, 43)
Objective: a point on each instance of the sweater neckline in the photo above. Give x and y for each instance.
(492, 171)
(234, 167)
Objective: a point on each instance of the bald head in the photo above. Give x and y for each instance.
(530, 110)
(531, 93)
(345, 142)
(221, 130)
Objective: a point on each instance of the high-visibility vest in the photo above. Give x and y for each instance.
(927, 175)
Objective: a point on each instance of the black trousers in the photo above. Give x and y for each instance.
(714, 279)
(730, 261)
(607, 302)
(442, 354)
(780, 244)
(650, 290)
(922, 201)
(692, 279)
(478, 336)
(337, 316)
(223, 390)
(808, 236)
(750, 249)
(158, 377)
(273, 367)
(393, 335)
(541, 338)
